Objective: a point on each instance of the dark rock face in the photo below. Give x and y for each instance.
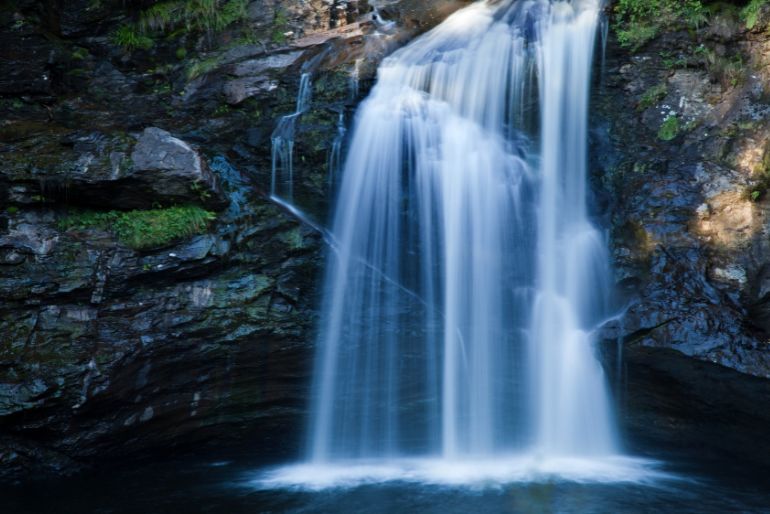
(117, 171)
(689, 205)
(674, 407)
(169, 167)
(109, 352)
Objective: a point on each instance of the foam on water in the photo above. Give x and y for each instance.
(465, 473)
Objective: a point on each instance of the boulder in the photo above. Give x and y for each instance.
(114, 171)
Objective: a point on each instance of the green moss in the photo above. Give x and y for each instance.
(639, 21)
(652, 96)
(79, 53)
(129, 38)
(146, 228)
(12, 209)
(672, 61)
(294, 239)
(201, 67)
(222, 110)
(669, 129)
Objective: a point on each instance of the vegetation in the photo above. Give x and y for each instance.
(641, 20)
(761, 175)
(200, 67)
(144, 229)
(652, 96)
(79, 53)
(129, 38)
(669, 129)
(208, 16)
(727, 71)
(200, 15)
(280, 24)
(750, 14)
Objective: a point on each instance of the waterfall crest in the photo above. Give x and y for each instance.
(460, 302)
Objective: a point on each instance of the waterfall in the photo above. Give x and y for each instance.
(335, 153)
(467, 278)
(282, 139)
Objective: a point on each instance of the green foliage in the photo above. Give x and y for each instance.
(12, 209)
(640, 20)
(669, 129)
(222, 110)
(200, 67)
(198, 15)
(750, 14)
(652, 96)
(179, 16)
(144, 229)
(728, 72)
(161, 16)
(129, 38)
(694, 14)
(671, 61)
(79, 53)
(280, 27)
(181, 53)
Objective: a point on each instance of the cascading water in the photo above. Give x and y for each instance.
(335, 153)
(282, 139)
(467, 277)
(572, 282)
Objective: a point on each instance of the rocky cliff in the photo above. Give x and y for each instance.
(680, 139)
(682, 133)
(153, 297)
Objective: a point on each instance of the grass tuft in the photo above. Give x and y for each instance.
(129, 38)
(144, 229)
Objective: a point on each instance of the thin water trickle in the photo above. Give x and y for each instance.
(467, 278)
(282, 139)
(335, 153)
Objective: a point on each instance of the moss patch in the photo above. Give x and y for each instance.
(652, 96)
(144, 229)
(669, 129)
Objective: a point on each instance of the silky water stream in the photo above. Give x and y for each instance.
(457, 367)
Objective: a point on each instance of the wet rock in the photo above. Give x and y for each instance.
(689, 220)
(671, 405)
(103, 348)
(24, 64)
(107, 353)
(111, 171)
(170, 168)
(256, 76)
